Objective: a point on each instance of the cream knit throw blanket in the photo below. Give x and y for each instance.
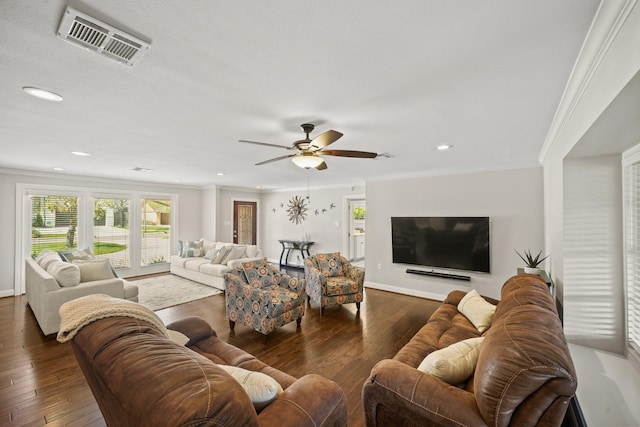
(78, 313)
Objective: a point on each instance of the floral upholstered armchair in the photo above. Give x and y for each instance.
(332, 280)
(259, 296)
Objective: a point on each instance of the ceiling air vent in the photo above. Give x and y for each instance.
(103, 39)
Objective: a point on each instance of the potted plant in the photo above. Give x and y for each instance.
(532, 262)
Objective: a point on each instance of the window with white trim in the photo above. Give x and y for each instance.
(632, 248)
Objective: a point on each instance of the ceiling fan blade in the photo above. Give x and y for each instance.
(275, 160)
(324, 139)
(322, 166)
(348, 153)
(265, 143)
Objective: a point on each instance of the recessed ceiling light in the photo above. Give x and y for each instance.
(220, 173)
(258, 186)
(42, 94)
(57, 169)
(177, 180)
(80, 153)
(443, 147)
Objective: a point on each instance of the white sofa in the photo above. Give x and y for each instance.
(45, 294)
(202, 269)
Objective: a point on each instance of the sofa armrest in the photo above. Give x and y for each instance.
(294, 283)
(310, 401)
(396, 388)
(195, 328)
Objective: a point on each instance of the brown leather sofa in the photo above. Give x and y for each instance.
(141, 378)
(524, 375)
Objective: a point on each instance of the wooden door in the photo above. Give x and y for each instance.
(245, 222)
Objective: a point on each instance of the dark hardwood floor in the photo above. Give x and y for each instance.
(41, 382)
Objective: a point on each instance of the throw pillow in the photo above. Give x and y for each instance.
(259, 274)
(236, 252)
(211, 254)
(177, 337)
(191, 248)
(330, 264)
(477, 310)
(455, 363)
(94, 269)
(47, 259)
(222, 252)
(65, 273)
(261, 388)
(74, 254)
(252, 251)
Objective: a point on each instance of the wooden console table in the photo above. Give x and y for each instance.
(293, 245)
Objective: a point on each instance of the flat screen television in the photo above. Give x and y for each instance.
(460, 243)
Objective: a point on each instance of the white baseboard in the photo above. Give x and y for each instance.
(7, 293)
(405, 291)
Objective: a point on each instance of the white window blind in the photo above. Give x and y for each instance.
(632, 252)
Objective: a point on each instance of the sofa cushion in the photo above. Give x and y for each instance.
(221, 254)
(178, 261)
(455, 363)
(208, 245)
(195, 263)
(259, 274)
(252, 251)
(236, 252)
(341, 286)
(47, 259)
(477, 310)
(261, 388)
(65, 273)
(210, 254)
(77, 253)
(94, 269)
(217, 270)
(190, 248)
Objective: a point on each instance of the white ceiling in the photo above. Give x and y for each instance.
(483, 75)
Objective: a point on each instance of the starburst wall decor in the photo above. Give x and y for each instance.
(297, 209)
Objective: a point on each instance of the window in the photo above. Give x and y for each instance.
(155, 230)
(111, 231)
(54, 222)
(632, 251)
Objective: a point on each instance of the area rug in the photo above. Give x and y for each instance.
(166, 291)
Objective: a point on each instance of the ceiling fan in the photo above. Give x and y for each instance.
(308, 151)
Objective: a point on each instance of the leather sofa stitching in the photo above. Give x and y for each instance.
(421, 406)
(292, 403)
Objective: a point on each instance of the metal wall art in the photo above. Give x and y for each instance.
(297, 209)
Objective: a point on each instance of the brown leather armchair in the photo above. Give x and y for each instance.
(141, 378)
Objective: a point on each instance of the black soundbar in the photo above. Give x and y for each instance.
(438, 274)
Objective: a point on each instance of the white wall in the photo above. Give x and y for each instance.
(188, 215)
(511, 198)
(323, 225)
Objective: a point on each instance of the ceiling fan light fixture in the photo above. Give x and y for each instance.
(307, 160)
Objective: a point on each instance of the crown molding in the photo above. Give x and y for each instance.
(605, 27)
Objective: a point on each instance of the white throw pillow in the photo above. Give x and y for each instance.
(455, 363)
(65, 273)
(177, 337)
(252, 251)
(46, 260)
(236, 252)
(91, 270)
(477, 310)
(261, 388)
(222, 252)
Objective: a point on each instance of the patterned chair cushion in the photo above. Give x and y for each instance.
(330, 264)
(282, 300)
(341, 286)
(259, 274)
